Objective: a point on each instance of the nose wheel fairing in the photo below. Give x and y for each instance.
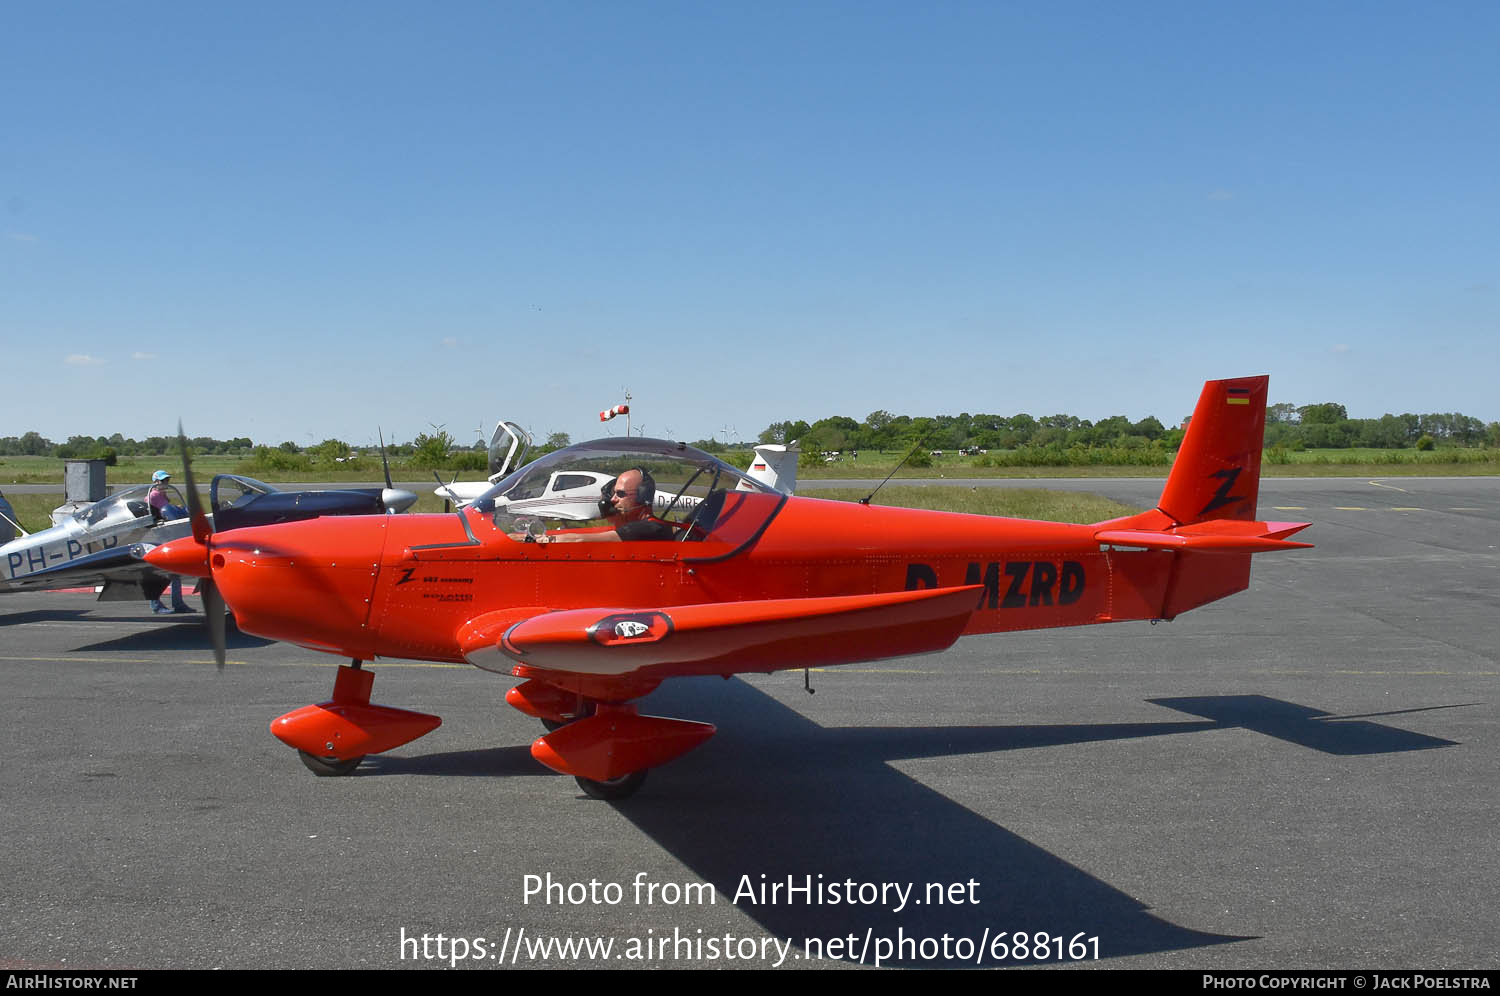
(347, 727)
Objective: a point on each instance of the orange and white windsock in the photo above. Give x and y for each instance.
(608, 414)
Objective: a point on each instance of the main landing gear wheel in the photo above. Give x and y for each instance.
(615, 789)
(329, 767)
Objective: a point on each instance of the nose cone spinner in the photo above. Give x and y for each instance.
(185, 556)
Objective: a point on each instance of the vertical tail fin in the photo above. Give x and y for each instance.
(776, 465)
(1206, 516)
(1217, 472)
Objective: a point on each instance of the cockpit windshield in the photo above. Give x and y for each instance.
(508, 448)
(233, 491)
(675, 493)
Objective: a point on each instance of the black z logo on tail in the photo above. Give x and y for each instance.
(1222, 497)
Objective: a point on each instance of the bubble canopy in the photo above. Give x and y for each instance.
(700, 496)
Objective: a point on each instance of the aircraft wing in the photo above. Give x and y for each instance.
(720, 637)
(122, 563)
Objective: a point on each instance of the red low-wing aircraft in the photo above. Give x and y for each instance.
(746, 579)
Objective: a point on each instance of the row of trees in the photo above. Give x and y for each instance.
(1308, 427)
(882, 430)
(1319, 426)
(435, 450)
(89, 447)
(1328, 426)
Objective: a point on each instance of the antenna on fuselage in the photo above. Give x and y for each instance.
(920, 443)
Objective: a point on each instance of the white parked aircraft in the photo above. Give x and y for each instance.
(92, 546)
(103, 543)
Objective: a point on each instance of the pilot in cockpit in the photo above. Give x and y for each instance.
(158, 499)
(626, 502)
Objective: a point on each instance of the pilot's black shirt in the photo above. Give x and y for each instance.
(645, 529)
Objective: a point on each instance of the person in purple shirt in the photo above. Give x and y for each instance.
(162, 510)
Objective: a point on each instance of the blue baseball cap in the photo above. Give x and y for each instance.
(161, 475)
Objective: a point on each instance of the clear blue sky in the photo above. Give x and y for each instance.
(297, 221)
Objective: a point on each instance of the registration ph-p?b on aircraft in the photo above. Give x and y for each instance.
(595, 616)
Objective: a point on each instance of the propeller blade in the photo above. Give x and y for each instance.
(393, 498)
(383, 461)
(213, 611)
(213, 602)
(201, 528)
(444, 488)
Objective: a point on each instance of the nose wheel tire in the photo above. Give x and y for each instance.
(615, 789)
(329, 767)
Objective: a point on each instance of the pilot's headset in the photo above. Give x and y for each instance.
(645, 492)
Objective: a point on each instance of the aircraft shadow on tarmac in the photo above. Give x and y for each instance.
(184, 633)
(785, 799)
(1302, 725)
(505, 762)
(47, 615)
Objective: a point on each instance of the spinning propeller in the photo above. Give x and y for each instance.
(199, 555)
(393, 498)
(213, 602)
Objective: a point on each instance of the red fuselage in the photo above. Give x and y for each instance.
(403, 586)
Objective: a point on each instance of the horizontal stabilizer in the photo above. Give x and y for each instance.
(729, 637)
(1213, 536)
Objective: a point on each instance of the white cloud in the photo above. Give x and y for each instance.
(83, 360)
(20, 236)
(449, 342)
(142, 356)
(1342, 347)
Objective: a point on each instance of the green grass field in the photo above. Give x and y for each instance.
(1016, 503)
(1356, 462)
(34, 511)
